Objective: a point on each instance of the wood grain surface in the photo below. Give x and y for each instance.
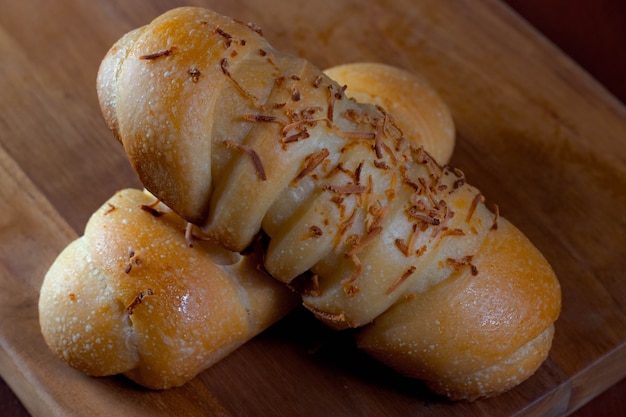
(593, 33)
(535, 133)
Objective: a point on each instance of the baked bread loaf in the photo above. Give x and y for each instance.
(132, 297)
(361, 219)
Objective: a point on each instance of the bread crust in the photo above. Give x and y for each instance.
(480, 332)
(131, 296)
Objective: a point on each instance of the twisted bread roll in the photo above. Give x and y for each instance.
(131, 297)
(235, 137)
(368, 226)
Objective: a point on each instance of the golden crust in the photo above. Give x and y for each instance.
(131, 296)
(471, 325)
(67, 314)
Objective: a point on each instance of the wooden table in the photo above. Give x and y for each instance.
(513, 95)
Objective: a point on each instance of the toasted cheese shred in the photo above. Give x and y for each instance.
(347, 189)
(400, 280)
(138, 300)
(356, 135)
(496, 211)
(150, 209)
(311, 162)
(258, 165)
(380, 124)
(478, 199)
(366, 240)
(402, 247)
(159, 54)
(457, 264)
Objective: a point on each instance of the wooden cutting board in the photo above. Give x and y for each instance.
(537, 135)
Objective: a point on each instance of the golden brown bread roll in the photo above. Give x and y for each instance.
(239, 138)
(479, 332)
(131, 296)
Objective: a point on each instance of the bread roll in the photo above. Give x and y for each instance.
(361, 219)
(132, 297)
(482, 331)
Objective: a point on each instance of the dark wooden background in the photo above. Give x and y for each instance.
(593, 33)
